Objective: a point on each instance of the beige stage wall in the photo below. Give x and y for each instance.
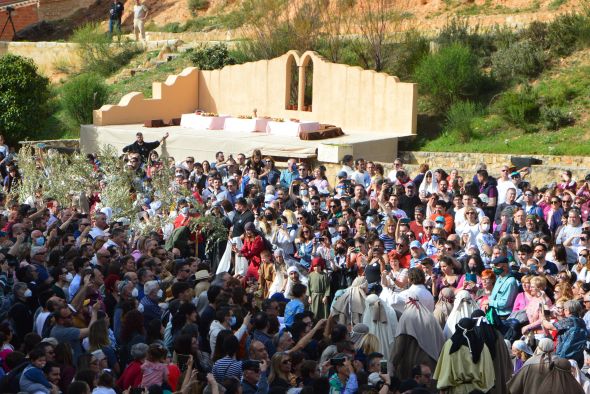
(357, 100)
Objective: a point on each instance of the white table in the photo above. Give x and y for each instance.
(290, 129)
(199, 122)
(245, 125)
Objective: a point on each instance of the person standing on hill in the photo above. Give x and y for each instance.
(140, 13)
(115, 15)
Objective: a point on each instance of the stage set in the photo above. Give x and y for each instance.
(292, 106)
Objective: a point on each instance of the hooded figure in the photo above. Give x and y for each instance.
(318, 288)
(498, 350)
(530, 377)
(465, 363)
(382, 322)
(559, 380)
(464, 306)
(444, 306)
(349, 307)
(580, 377)
(426, 187)
(418, 340)
(290, 282)
(358, 333)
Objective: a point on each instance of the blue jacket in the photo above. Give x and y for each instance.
(503, 295)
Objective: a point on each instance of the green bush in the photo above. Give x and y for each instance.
(567, 33)
(81, 95)
(211, 57)
(459, 118)
(23, 98)
(536, 33)
(520, 107)
(459, 31)
(449, 75)
(197, 5)
(554, 118)
(521, 59)
(408, 54)
(99, 54)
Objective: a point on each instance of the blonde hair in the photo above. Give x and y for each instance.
(566, 290)
(369, 344)
(539, 282)
(290, 216)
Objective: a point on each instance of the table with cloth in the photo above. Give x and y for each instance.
(200, 122)
(290, 129)
(245, 125)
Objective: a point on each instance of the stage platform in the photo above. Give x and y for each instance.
(203, 144)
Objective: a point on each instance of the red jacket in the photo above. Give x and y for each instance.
(131, 376)
(251, 251)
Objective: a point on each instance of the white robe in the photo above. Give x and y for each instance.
(385, 325)
(463, 306)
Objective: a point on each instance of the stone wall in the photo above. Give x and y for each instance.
(48, 56)
(50, 10)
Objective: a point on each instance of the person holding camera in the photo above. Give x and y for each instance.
(344, 378)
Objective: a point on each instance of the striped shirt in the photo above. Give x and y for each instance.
(227, 367)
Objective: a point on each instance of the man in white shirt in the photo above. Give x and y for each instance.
(397, 166)
(504, 183)
(361, 176)
(100, 225)
(140, 13)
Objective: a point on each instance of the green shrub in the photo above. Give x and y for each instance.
(98, 53)
(408, 54)
(449, 75)
(459, 118)
(211, 57)
(197, 5)
(519, 60)
(554, 118)
(567, 33)
(23, 98)
(458, 31)
(520, 107)
(536, 34)
(81, 95)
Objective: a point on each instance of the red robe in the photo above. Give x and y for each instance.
(251, 251)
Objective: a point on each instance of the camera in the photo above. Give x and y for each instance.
(337, 361)
(9, 9)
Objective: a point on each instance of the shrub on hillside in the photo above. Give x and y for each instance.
(408, 54)
(520, 60)
(211, 57)
(536, 33)
(197, 5)
(458, 31)
(449, 75)
(459, 118)
(98, 53)
(520, 107)
(554, 118)
(23, 98)
(81, 95)
(567, 33)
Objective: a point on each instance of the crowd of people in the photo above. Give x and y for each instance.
(441, 280)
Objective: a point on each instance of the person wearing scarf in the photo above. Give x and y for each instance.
(465, 363)
(464, 306)
(382, 322)
(530, 377)
(318, 288)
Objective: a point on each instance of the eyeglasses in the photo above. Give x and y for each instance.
(315, 203)
(305, 231)
(186, 270)
(567, 201)
(427, 226)
(299, 217)
(332, 206)
(555, 201)
(504, 170)
(539, 250)
(583, 254)
(470, 213)
(528, 194)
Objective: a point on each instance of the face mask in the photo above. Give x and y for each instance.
(583, 260)
(40, 241)
(69, 277)
(140, 308)
(485, 227)
(332, 230)
(28, 293)
(439, 225)
(303, 193)
(160, 293)
(498, 271)
(232, 321)
(134, 292)
(184, 210)
(268, 217)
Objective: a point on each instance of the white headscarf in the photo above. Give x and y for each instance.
(463, 307)
(382, 322)
(431, 187)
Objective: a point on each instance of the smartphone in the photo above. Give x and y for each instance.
(182, 361)
(362, 230)
(471, 278)
(383, 366)
(135, 390)
(547, 314)
(387, 267)
(533, 267)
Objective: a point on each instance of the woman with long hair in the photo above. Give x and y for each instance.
(98, 339)
(320, 181)
(306, 247)
(253, 246)
(449, 277)
(280, 370)
(388, 234)
(67, 371)
(132, 332)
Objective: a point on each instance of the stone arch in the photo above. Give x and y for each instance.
(306, 83)
(292, 82)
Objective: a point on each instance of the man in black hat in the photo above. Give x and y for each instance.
(254, 379)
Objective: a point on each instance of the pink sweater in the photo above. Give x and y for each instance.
(153, 374)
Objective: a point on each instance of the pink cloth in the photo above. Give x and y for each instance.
(290, 129)
(153, 373)
(521, 301)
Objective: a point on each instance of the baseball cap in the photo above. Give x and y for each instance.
(415, 244)
(251, 365)
(440, 219)
(342, 174)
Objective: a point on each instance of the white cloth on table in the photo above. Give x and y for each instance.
(200, 122)
(291, 129)
(245, 125)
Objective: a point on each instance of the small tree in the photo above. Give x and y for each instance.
(211, 57)
(23, 97)
(377, 20)
(449, 75)
(81, 95)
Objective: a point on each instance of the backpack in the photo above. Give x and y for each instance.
(572, 342)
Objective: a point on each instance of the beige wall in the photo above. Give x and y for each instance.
(170, 99)
(58, 9)
(356, 100)
(46, 55)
